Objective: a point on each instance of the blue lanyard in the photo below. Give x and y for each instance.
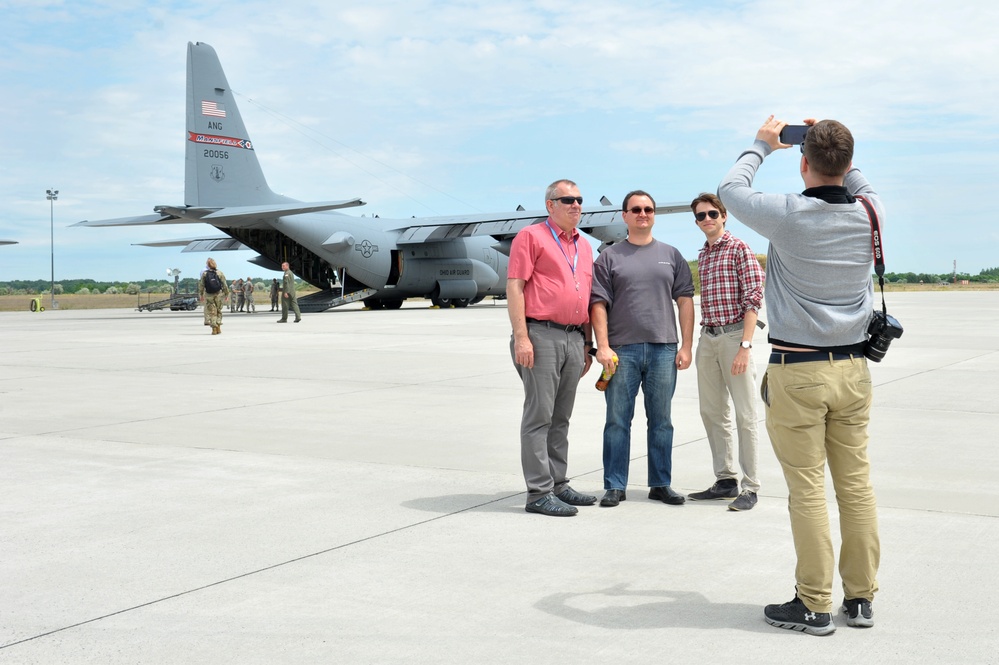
(575, 241)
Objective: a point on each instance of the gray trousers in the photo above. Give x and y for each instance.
(289, 302)
(549, 395)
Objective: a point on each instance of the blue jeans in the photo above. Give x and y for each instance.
(653, 366)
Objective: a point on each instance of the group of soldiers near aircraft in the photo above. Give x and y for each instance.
(241, 295)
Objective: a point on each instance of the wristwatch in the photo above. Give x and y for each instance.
(746, 345)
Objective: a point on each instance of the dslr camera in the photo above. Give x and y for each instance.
(883, 329)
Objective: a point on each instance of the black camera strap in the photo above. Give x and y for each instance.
(878, 249)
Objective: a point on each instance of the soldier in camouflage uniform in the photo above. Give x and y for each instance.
(275, 294)
(248, 295)
(213, 301)
(237, 290)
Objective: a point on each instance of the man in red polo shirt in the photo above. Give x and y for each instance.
(548, 296)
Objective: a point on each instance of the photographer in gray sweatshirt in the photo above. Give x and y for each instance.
(817, 387)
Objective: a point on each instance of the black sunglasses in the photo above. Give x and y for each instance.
(568, 200)
(647, 210)
(713, 214)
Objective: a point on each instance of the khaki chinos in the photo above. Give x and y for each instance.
(819, 411)
(715, 382)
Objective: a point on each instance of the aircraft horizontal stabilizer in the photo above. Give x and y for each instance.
(236, 213)
(132, 221)
(223, 217)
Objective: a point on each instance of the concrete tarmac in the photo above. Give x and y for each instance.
(348, 490)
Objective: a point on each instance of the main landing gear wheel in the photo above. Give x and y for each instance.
(462, 302)
(443, 303)
(392, 304)
(371, 303)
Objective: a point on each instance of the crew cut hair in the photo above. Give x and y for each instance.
(828, 148)
(635, 192)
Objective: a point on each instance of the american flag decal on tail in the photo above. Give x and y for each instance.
(213, 109)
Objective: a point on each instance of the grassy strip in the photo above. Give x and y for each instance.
(98, 301)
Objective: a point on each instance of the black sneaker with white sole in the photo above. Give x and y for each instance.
(793, 615)
(859, 612)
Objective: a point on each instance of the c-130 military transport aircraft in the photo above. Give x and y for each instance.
(455, 260)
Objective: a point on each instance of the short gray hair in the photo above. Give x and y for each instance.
(553, 188)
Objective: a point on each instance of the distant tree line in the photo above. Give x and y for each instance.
(84, 286)
(20, 287)
(987, 276)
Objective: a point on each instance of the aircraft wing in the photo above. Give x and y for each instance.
(602, 222)
(501, 226)
(8, 242)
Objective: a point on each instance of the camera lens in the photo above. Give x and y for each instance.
(876, 348)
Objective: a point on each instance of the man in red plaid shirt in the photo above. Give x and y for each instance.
(731, 296)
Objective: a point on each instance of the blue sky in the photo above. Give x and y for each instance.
(438, 108)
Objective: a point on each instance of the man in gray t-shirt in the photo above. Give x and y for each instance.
(634, 324)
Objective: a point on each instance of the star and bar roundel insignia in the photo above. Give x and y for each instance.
(366, 248)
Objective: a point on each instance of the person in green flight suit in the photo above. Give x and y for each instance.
(288, 296)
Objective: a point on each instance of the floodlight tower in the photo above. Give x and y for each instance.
(175, 273)
(52, 195)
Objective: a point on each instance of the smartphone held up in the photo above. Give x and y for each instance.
(793, 134)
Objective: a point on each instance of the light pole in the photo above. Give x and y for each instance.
(52, 195)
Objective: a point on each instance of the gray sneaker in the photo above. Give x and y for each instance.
(744, 501)
(859, 612)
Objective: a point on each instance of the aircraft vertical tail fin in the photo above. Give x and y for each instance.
(221, 166)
